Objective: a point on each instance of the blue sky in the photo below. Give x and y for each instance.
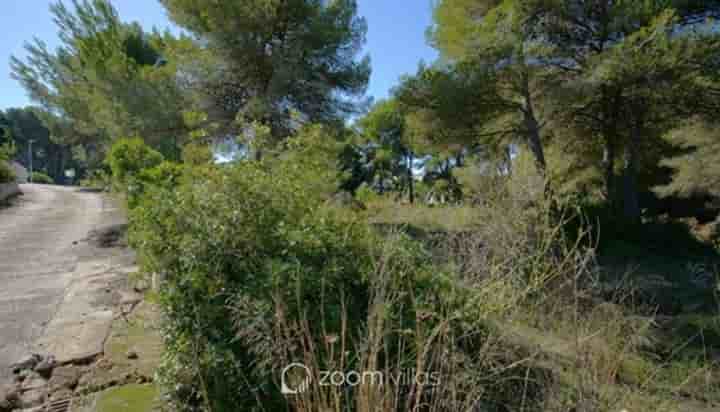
(395, 41)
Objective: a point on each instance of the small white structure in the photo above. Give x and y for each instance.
(21, 174)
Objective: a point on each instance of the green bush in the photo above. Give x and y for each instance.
(261, 271)
(135, 167)
(165, 175)
(257, 264)
(366, 194)
(129, 157)
(42, 178)
(7, 174)
(97, 179)
(243, 234)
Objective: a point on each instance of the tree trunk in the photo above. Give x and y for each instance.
(508, 161)
(411, 180)
(61, 179)
(460, 160)
(532, 129)
(536, 148)
(631, 201)
(535, 144)
(611, 105)
(609, 153)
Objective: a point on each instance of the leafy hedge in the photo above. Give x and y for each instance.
(7, 174)
(137, 168)
(244, 234)
(42, 178)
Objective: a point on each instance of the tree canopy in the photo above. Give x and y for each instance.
(281, 63)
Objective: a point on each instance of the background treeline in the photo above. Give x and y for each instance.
(49, 157)
(478, 224)
(615, 101)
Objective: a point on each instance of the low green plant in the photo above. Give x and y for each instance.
(128, 158)
(366, 194)
(260, 272)
(137, 168)
(42, 178)
(242, 234)
(7, 174)
(98, 179)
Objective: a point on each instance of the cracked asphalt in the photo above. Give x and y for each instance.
(40, 247)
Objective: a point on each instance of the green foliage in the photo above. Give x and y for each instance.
(696, 170)
(197, 154)
(385, 124)
(22, 125)
(267, 60)
(367, 195)
(447, 109)
(129, 157)
(97, 179)
(601, 81)
(313, 156)
(533, 106)
(105, 80)
(246, 234)
(7, 174)
(7, 149)
(163, 175)
(633, 81)
(390, 153)
(134, 165)
(42, 178)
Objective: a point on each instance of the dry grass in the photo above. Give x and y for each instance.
(509, 316)
(541, 291)
(430, 218)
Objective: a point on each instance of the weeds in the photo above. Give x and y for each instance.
(509, 314)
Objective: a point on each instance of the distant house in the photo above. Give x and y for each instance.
(21, 174)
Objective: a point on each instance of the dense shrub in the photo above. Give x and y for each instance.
(260, 273)
(136, 168)
(261, 270)
(244, 235)
(7, 174)
(42, 178)
(97, 179)
(129, 157)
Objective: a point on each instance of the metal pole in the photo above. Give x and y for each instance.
(30, 157)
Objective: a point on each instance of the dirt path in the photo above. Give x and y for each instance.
(40, 249)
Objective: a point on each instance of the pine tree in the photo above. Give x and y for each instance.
(629, 67)
(106, 80)
(279, 62)
(497, 36)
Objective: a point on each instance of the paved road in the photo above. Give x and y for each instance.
(37, 258)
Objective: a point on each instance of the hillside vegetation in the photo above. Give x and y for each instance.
(528, 224)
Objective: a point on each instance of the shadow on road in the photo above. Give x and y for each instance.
(11, 201)
(89, 190)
